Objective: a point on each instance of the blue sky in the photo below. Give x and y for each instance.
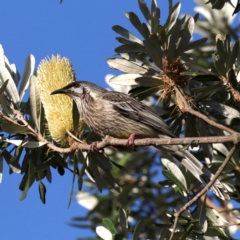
(80, 31)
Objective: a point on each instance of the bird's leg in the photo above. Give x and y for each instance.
(131, 139)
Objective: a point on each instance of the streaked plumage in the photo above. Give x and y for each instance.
(119, 115)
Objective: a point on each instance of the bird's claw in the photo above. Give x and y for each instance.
(130, 141)
(93, 147)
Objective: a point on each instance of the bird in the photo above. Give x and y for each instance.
(121, 116)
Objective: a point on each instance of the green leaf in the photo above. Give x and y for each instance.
(6, 106)
(42, 192)
(172, 18)
(75, 171)
(125, 33)
(196, 44)
(3, 87)
(30, 175)
(155, 15)
(75, 116)
(174, 179)
(221, 50)
(207, 88)
(186, 36)
(174, 169)
(153, 48)
(219, 65)
(138, 229)
(126, 79)
(205, 78)
(133, 18)
(80, 176)
(223, 109)
(11, 88)
(234, 54)
(173, 41)
(10, 127)
(125, 66)
(201, 69)
(107, 223)
(143, 92)
(130, 49)
(123, 221)
(148, 81)
(145, 11)
(28, 71)
(35, 102)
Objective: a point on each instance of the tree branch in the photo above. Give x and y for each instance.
(185, 107)
(204, 190)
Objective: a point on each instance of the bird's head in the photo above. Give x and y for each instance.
(74, 89)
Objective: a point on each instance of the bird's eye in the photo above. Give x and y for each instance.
(77, 85)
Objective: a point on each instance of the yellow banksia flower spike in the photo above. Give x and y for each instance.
(53, 74)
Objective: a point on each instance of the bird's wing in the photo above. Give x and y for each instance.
(135, 110)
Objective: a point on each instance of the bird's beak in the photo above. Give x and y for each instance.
(58, 91)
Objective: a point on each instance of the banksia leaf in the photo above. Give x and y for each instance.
(53, 74)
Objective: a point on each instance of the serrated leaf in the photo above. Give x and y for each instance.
(125, 33)
(35, 102)
(172, 18)
(10, 127)
(125, 66)
(28, 71)
(145, 11)
(107, 223)
(11, 88)
(42, 192)
(186, 36)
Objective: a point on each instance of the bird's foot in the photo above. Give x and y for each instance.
(131, 139)
(93, 147)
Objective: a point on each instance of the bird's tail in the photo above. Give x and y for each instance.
(198, 170)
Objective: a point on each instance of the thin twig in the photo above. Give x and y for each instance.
(204, 190)
(186, 108)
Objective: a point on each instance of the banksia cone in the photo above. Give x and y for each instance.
(53, 74)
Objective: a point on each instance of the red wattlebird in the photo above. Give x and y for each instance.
(119, 115)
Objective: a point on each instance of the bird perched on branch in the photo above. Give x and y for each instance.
(119, 115)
